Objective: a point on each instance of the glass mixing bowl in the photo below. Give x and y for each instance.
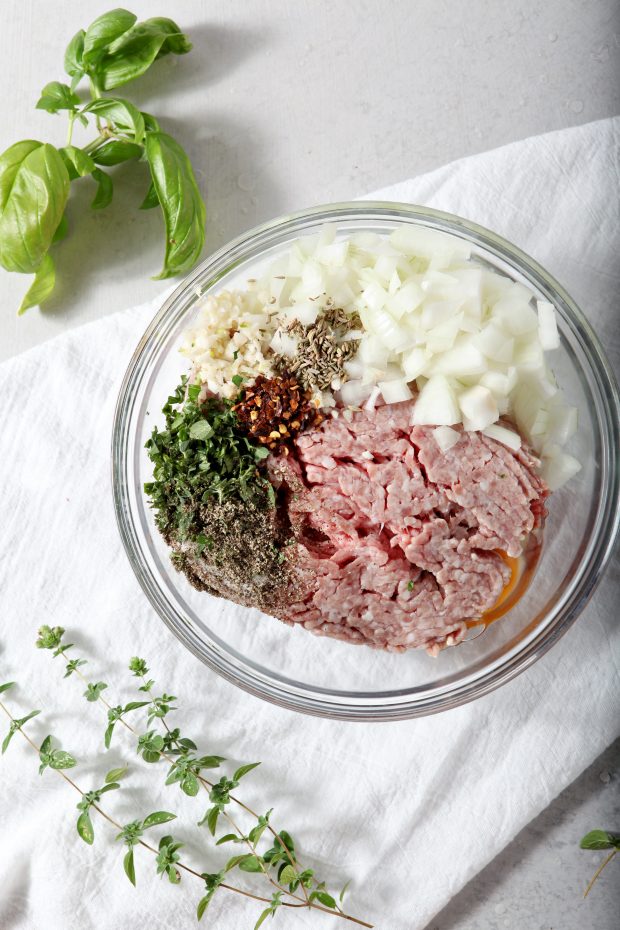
(318, 675)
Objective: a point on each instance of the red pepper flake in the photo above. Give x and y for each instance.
(274, 410)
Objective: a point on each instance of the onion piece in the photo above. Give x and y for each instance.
(506, 436)
(354, 393)
(371, 403)
(446, 437)
(547, 326)
(558, 468)
(394, 392)
(479, 407)
(436, 404)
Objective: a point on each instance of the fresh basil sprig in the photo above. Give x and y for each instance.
(35, 177)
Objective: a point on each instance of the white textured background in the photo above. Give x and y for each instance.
(282, 105)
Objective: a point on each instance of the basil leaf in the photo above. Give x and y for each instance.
(150, 123)
(181, 203)
(41, 287)
(77, 162)
(103, 31)
(10, 162)
(116, 151)
(151, 200)
(135, 51)
(34, 187)
(62, 230)
(122, 113)
(56, 96)
(105, 189)
(74, 65)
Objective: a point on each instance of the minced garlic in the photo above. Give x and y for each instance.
(229, 340)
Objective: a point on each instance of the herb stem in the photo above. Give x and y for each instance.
(604, 863)
(72, 115)
(297, 901)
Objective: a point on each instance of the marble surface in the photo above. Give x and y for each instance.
(284, 105)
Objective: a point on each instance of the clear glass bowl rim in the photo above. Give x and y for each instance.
(403, 703)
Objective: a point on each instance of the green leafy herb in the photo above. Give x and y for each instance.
(600, 839)
(35, 177)
(273, 866)
(54, 758)
(201, 454)
(177, 192)
(93, 690)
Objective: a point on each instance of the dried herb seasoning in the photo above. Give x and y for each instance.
(322, 349)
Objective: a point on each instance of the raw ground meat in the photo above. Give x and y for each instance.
(396, 542)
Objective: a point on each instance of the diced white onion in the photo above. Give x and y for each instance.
(394, 392)
(479, 407)
(446, 437)
(372, 400)
(559, 468)
(436, 404)
(506, 436)
(354, 393)
(547, 326)
(283, 344)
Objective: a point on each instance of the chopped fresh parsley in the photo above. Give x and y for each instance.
(201, 455)
(410, 586)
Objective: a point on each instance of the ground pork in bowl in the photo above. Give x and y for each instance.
(426, 533)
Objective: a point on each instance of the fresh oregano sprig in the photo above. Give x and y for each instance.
(600, 839)
(130, 833)
(35, 177)
(295, 886)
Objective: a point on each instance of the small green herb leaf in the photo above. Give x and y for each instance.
(201, 429)
(102, 32)
(287, 875)
(93, 690)
(128, 865)
(49, 637)
(344, 891)
(74, 65)
(134, 53)
(85, 828)
(244, 769)
(105, 189)
(151, 200)
(251, 864)
(6, 686)
(115, 775)
(236, 861)
(116, 151)
(156, 818)
(62, 231)
(125, 116)
(56, 96)
(600, 839)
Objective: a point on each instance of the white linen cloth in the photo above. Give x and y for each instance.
(409, 810)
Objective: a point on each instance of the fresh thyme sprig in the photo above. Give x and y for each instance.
(294, 885)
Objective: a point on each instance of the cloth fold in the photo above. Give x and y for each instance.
(410, 810)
